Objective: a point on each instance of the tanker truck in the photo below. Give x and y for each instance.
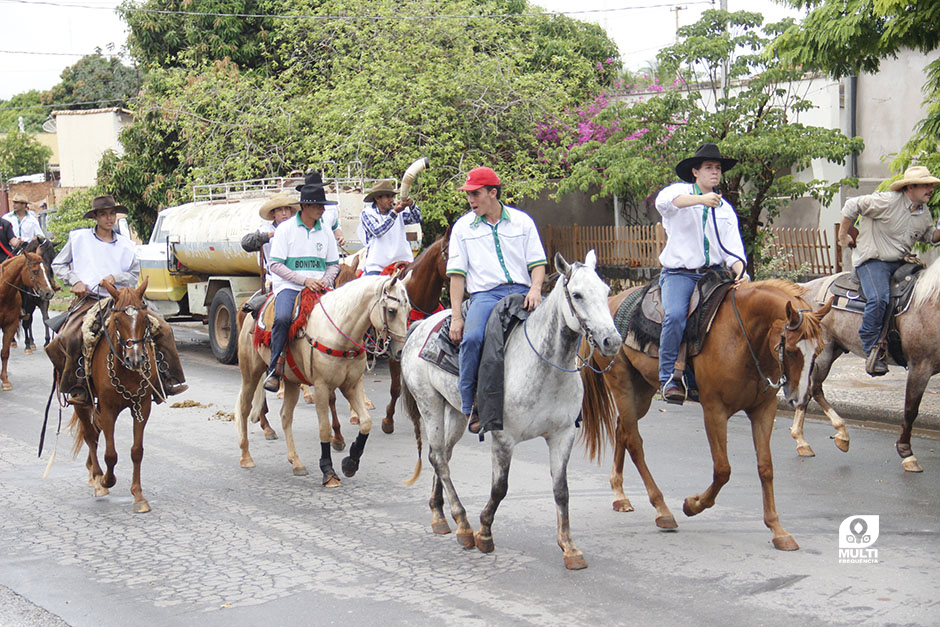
(194, 261)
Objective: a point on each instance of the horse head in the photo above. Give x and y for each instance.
(36, 277)
(129, 322)
(798, 342)
(587, 310)
(390, 317)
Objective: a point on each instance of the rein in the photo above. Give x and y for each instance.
(144, 373)
(768, 382)
(31, 292)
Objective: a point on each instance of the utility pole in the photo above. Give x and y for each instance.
(676, 10)
(723, 5)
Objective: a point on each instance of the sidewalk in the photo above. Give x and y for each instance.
(857, 396)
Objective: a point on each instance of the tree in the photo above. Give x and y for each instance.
(365, 90)
(846, 37)
(756, 121)
(20, 154)
(27, 105)
(95, 81)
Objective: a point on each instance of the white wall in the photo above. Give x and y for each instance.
(83, 136)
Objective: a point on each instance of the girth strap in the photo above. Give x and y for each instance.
(293, 368)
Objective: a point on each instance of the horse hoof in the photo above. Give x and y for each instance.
(330, 480)
(667, 522)
(254, 418)
(32, 348)
(354, 419)
(786, 543)
(691, 506)
(842, 443)
(369, 404)
(623, 505)
(910, 464)
(485, 545)
(575, 561)
(388, 426)
(440, 527)
(465, 539)
(101, 491)
(300, 471)
(350, 466)
(338, 445)
(6, 387)
(270, 434)
(247, 463)
(27, 351)
(806, 451)
(141, 508)
(309, 399)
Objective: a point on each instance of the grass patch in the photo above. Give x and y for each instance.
(61, 300)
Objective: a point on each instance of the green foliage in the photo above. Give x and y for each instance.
(27, 105)
(381, 92)
(756, 122)
(68, 216)
(95, 80)
(21, 153)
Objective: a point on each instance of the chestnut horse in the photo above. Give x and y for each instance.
(123, 375)
(22, 275)
(424, 279)
(764, 336)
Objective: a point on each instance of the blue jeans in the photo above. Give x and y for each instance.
(372, 273)
(677, 287)
(283, 316)
(481, 305)
(875, 277)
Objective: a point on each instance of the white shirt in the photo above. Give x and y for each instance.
(687, 234)
(493, 255)
(26, 229)
(302, 250)
(87, 258)
(390, 246)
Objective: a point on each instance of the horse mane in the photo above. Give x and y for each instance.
(927, 289)
(787, 287)
(424, 254)
(340, 306)
(810, 326)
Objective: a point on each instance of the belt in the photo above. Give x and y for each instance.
(697, 270)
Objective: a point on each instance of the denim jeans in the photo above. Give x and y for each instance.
(283, 316)
(677, 287)
(875, 277)
(372, 273)
(481, 305)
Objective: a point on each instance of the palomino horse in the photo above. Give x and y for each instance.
(337, 322)
(764, 336)
(44, 248)
(919, 328)
(124, 375)
(22, 275)
(542, 398)
(424, 278)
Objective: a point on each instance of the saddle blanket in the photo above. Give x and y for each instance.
(93, 326)
(304, 303)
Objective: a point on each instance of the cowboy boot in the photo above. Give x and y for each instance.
(169, 366)
(273, 382)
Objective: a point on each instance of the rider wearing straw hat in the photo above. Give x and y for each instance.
(691, 211)
(277, 209)
(25, 225)
(383, 225)
(890, 224)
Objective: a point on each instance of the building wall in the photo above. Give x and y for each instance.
(84, 136)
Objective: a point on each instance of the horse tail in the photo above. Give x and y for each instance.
(77, 427)
(411, 408)
(597, 410)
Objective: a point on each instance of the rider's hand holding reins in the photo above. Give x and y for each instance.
(315, 285)
(80, 290)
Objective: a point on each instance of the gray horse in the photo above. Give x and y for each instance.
(542, 398)
(919, 327)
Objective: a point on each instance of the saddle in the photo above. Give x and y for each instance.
(304, 303)
(639, 319)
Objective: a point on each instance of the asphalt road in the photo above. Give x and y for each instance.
(228, 546)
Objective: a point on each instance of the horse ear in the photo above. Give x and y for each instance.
(142, 287)
(793, 316)
(113, 291)
(590, 260)
(450, 227)
(561, 265)
(825, 309)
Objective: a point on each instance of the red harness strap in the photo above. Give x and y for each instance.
(336, 353)
(293, 368)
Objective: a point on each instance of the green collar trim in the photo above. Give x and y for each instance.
(316, 225)
(503, 216)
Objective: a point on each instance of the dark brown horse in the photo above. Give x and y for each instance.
(45, 249)
(123, 375)
(19, 276)
(424, 279)
(764, 336)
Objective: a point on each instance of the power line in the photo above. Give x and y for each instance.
(59, 54)
(358, 17)
(66, 104)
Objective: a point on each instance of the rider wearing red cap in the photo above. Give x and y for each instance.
(494, 251)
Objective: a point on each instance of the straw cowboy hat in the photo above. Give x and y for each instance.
(104, 202)
(20, 197)
(705, 152)
(384, 186)
(914, 175)
(281, 200)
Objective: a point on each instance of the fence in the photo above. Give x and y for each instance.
(638, 247)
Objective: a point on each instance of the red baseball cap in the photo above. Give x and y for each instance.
(479, 177)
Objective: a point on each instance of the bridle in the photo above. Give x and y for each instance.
(374, 348)
(780, 349)
(29, 263)
(144, 372)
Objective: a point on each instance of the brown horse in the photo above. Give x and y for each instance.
(123, 374)
(424, 279)
(19, 276)
(764, 336)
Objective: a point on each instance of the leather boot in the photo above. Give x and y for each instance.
(273, 382)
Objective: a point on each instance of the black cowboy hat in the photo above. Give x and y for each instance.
(104, 202)
(312, 178)
(314, 195)
(705, 152)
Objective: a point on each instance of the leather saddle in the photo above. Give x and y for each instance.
(848, 293)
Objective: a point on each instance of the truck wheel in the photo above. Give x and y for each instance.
(223, 328)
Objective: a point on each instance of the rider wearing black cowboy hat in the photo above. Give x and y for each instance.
(691, 211)
(330, 214)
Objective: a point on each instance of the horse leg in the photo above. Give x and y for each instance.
(105, 417)
(87, 430)
(28, 342)
(628, 433)
(291, 394)
(44, 310)
(337, 441)
(5, 356)
(917, 379)
(356, 394)
(559, 450)
(309, 398)
(762, 425)
(442, 436)
(436, 503)
(502, 457)
(248, 401)
(269, 432)
(716, 428)
(141, 505)
(322, 392)
(394, 370)
(821, 370)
